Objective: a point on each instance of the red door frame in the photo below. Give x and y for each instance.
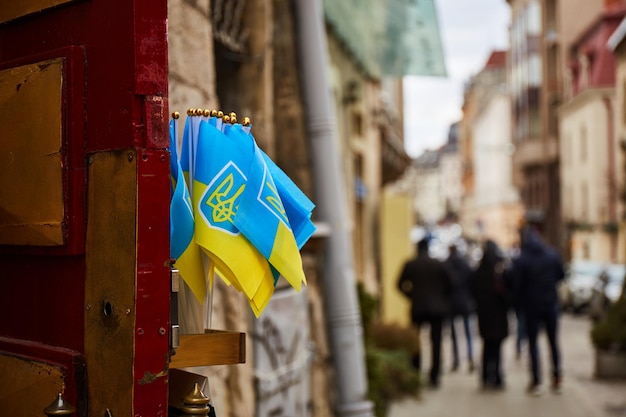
(115, 99)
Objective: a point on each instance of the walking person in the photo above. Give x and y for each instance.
(537, 272)
(520, 331)
(428, 285)
(520, 336)
(462, 305)
(490, 292)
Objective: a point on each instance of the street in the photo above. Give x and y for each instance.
(582, 396)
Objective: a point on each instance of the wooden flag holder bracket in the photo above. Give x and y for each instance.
(214, 347)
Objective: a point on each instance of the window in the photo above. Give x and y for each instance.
(583, 144)
(533, 16)
(585, 68)
(624, 107)
(564, 149)
(534, 70)
(584, 202)
(534, 122)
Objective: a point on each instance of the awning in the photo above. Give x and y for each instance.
(389, 37)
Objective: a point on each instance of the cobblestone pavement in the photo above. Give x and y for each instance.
(582, 396)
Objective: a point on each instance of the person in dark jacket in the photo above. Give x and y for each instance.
(428, 285)
(537, 272)
(489, 287)
(462, 304)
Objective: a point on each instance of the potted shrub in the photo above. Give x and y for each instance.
(609, 338)
(388, 351)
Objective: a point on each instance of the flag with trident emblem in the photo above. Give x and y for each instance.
(220, 178)
(183, 249)
(297, 205)
(240, 220)
(261, 216)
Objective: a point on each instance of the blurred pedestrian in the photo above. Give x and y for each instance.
(537, 272)
(490, 292)
(428, 285)
(520, 334)
(462, 304)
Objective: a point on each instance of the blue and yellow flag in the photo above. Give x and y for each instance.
(183, 249)
(189, 150)
(220, 178)
(297, 205)
(261, 216)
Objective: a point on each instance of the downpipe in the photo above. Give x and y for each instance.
(339, 284)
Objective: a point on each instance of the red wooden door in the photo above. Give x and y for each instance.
(84, 206)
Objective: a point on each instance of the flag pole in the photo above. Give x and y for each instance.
(209, 270)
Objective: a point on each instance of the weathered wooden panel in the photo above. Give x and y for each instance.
(31, 164)
(10, 10)
(110, 281)
(33, 374)
(30, 388)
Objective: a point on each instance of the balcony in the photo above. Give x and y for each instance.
(393, 158)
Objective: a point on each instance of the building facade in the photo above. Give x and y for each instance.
(589, 149)
(492, 209)
(540, 33)
(451, 174)
(429, 204)
(617, 45)
(534, 133)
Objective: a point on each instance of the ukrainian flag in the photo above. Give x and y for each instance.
(220, 178)
(261, 216)
(189, 149)
(297, 205)
(183, 249)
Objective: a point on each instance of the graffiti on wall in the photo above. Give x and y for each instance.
(283, 354)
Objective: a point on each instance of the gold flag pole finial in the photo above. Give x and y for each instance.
(246, 121)
(206, 112)
(213, 113)
(175, 115)
(226, 118)
(190, 111)
(220, 114)
(233, 117)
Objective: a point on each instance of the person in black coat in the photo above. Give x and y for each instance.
(428, 284)
(490, 292)
(462, 304)
(537, 272)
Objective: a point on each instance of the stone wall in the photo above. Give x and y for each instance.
(264, 85)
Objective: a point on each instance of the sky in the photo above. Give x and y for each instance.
(470, 30)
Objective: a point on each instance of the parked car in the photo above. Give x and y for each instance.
(606, 290)
(577, 288)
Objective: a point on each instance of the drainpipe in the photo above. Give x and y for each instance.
(339, 285)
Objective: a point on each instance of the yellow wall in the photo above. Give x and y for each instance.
(396, 248)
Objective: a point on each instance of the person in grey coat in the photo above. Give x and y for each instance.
(428, 284)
